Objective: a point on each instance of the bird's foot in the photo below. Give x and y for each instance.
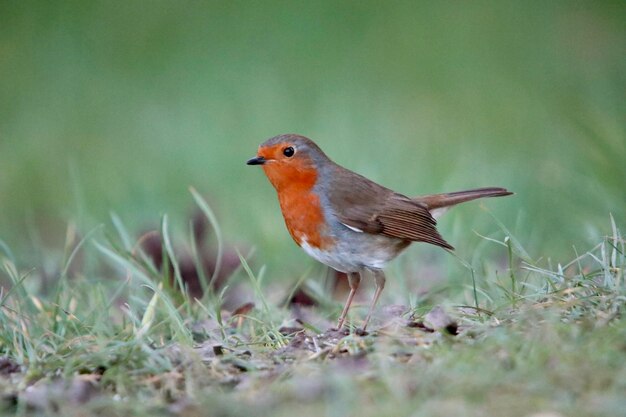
(361, 332)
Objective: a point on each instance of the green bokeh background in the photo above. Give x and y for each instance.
(120, 106)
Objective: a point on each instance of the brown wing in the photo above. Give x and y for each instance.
(372, 208)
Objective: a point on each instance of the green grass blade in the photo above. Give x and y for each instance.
(215, 225)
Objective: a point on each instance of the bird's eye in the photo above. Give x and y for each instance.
(288, 152)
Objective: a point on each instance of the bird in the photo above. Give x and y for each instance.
(346, 221)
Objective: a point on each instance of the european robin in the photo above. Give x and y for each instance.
(346, 221)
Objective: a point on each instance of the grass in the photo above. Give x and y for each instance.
(121, 107)
(122, 339)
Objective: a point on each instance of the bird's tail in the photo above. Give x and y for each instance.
(439, 201)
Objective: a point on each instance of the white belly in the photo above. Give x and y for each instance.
(361, 251)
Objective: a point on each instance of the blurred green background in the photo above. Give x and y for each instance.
(120, 106)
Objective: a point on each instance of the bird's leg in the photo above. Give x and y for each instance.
(379, 275)
(354, 279)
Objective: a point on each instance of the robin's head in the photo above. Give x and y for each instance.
(289, 159)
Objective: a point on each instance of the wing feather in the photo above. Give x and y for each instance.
(362, 204)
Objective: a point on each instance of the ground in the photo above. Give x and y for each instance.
(533, 340)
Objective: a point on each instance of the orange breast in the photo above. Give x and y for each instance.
(300, 205)
(304, 218)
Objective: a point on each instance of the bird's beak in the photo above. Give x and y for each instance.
(257, 160)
